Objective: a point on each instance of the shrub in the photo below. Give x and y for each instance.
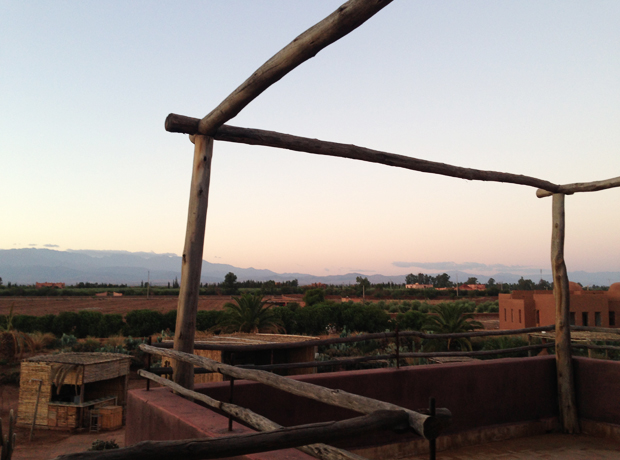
(111, 324)
(89, 324)
(41, 340)
(413, 320)
(142, 323)
(207, 320)
(100, 444)
(86, 346)
(25, 323)
(65, 322)
(170, 320)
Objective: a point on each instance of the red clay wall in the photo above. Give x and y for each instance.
(479, 394)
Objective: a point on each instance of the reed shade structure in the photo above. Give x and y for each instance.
(203, 131)
(68, 386)
(273, 349)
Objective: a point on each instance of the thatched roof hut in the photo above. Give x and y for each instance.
(70, 385)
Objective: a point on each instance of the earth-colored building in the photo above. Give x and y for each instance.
(522, 309)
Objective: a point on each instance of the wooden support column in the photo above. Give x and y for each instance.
(187, 307)
(564, 363)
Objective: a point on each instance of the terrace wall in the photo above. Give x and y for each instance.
(479, 394)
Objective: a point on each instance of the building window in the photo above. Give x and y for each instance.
(537, 317)
(572, 318)
(519, 316)
(612, 318)
(505, 313)
(597, 318)
(512, 315)
(584, 318)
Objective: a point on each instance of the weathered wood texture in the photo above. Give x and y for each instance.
(345, 19)
(179, 123)
(229, 446)
(425, 426)
(564, 364)
(253, 419)
(361, 359)
(569, 189)
(361, 338)
(192, 258)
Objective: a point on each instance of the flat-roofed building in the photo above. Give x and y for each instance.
(521, 309)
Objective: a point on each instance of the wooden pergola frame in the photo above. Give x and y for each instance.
(212, 127)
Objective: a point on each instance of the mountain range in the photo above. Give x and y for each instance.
(27, 266)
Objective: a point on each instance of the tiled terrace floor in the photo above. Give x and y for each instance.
(549, 446)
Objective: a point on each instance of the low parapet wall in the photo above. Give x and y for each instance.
(489, 400)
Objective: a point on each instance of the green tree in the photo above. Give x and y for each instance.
(525, 285)
(491, 282)
(250, 314)
(472, 280)
(443, 281)
(452, 318)
(411, 279)
(314, 296)
(230, 284)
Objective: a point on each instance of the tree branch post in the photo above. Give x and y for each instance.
(192, 259)
(564, 363)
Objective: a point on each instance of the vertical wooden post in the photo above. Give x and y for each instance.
(564, 363)
(432, 443)
(148, 364)
(183, 373)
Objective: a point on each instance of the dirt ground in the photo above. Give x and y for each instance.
(39, 306)
(48, 444)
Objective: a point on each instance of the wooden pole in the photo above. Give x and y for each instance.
(256, 421)
(345, 19)
(230, 446)
(227, 133)
(426, 426)
(564, 363)
(595, 186)
(36, 407)
(192, 258)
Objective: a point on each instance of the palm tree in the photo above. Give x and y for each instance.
(452, 318)
(250, 313)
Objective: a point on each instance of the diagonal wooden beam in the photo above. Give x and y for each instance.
(256, 421)
(345, 19)
(231, 446)
(428, 427)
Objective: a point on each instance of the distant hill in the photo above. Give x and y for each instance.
(27, 266)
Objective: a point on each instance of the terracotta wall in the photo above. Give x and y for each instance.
(479, 394)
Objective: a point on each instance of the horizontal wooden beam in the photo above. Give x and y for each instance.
(595, 186)
(182, 124)
(345, 19)
(230, 446)
(358, 338)
(428, 427)
(227, 133)
(253, 419)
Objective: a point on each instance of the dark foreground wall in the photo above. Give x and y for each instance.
(484, 397)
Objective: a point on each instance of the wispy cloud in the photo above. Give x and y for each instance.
(33, 244)
(50, 246)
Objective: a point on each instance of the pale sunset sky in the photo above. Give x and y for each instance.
(528, 87)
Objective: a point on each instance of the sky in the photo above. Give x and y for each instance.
(527, 87)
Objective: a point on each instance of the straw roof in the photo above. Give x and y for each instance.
(78, 358)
